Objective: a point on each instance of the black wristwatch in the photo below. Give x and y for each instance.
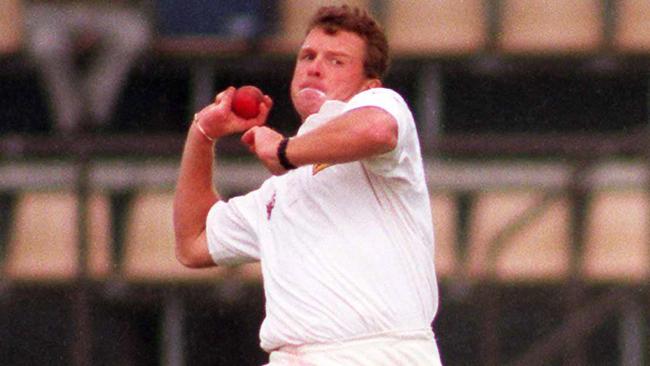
(282, 154)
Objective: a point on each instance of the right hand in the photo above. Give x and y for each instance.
(263, 142)
(218, 119)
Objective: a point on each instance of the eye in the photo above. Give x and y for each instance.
(336, 62)
(307, 56)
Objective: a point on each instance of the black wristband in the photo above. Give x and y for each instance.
(282, 154)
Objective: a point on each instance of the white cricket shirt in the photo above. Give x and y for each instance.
(345, 252)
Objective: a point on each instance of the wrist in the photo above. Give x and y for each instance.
(282, 154)
(196, 123)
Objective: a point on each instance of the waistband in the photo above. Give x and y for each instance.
(365, 340)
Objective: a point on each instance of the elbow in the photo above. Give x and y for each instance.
(383, 134)
(188, 257)
(184, 258)
(389, 138)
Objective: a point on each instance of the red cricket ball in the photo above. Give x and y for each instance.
(246, 101)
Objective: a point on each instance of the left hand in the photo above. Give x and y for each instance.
(263, 142)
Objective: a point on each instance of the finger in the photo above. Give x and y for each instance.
(260, 120)
(248, 138)
(264, 113)
(225, 92)
(219, 96)
(227, 98)
(268, 101)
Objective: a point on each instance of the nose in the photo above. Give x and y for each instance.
(315, 67)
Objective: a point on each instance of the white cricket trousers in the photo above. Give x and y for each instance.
(395, 349)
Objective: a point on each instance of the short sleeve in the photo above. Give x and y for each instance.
(394, 104)
(230, 230)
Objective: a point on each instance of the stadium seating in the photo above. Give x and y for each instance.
(149, 242)
(45, 232)
(617, 237)
(519, 236)
(44, 243)
(550, 26)
(431, 28)
(631, 34)
(444, 212)
(295, 16)
(10, 26)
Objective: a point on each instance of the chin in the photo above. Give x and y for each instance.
(306, 113)
(307, 109)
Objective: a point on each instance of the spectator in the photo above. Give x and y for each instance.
(112, 34)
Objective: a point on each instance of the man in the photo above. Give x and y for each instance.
(343, 231)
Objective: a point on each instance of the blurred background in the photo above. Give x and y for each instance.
(533, 118)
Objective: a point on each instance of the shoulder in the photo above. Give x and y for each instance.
(376, 96)
(384, 98)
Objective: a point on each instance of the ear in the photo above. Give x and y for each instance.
(372, 83)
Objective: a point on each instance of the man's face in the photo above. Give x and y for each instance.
(329, 67)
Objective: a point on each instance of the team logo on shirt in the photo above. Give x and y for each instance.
(318, 167)
(269, 207)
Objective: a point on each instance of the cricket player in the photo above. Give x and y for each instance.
(343, 228)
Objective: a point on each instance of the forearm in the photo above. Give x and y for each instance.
(356, 135)
(195, 194)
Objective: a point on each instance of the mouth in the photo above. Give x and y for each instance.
(311, 90)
